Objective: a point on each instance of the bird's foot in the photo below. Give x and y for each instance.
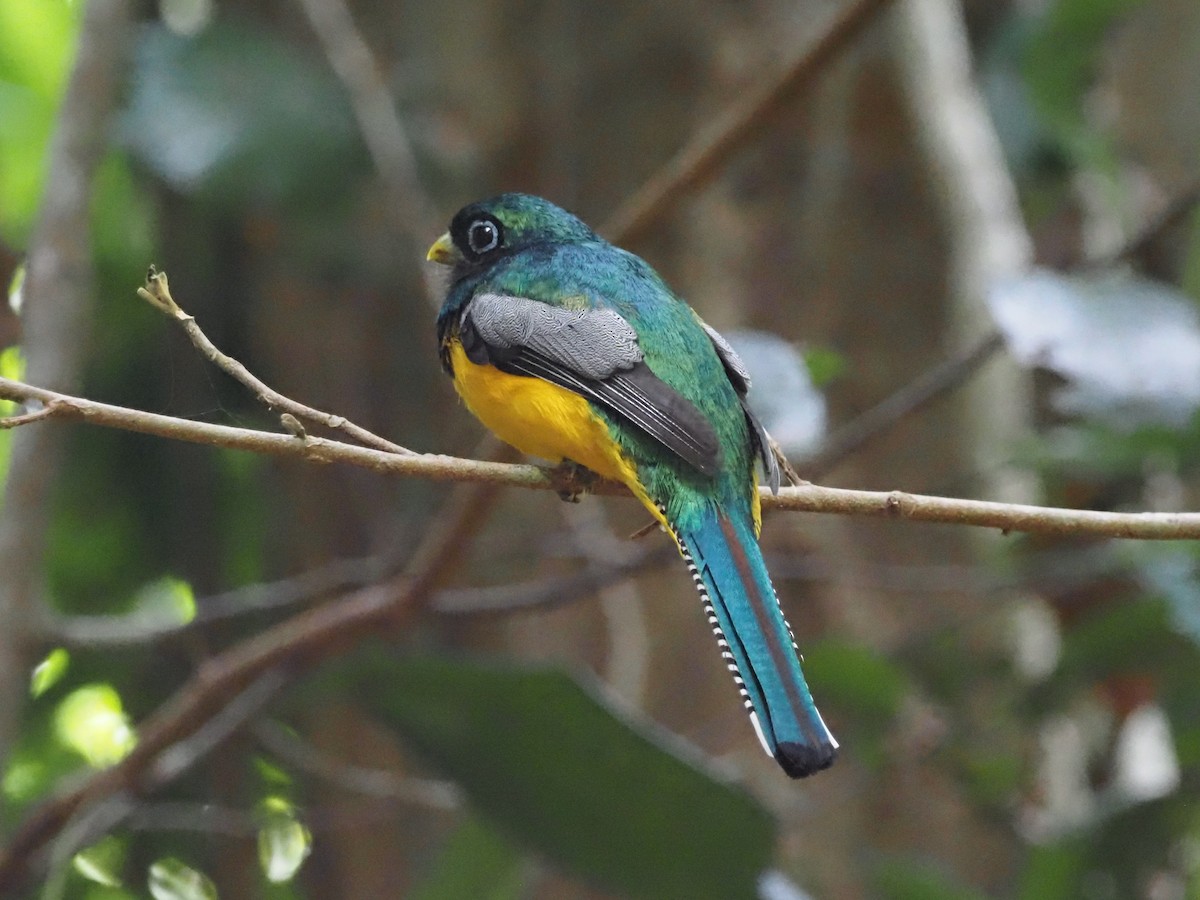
(572, 481)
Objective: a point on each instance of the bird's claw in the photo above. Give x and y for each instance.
(572, 481)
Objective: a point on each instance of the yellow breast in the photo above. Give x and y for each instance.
(542, 419)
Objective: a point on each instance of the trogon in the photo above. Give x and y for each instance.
(570, 348)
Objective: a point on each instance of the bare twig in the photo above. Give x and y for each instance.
(378, 783)
(44, 412)
(806, 498)
(918, 393)
(702, 158)
(300, 642)
(135, 628)
(381, 127)
(1173, 214)
(550, 592)
(180, 756)
(157, 293)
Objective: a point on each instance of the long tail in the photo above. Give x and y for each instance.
(756, 641)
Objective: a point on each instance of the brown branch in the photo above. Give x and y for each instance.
(44, 412)
(298, 643)
(381, 127)
(550, 592)
(917, 394)
(1172, 215)
(136, 628)
(157, 293)
(376, 783)
(806, 498)
(703, 157)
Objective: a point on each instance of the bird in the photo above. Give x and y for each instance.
(571, 349)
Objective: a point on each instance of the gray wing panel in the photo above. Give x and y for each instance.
(593, 342)
(739, 377)
(738, 374)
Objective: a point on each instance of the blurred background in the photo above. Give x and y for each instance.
(979, 214)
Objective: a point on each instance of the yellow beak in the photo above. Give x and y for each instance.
(443, 251)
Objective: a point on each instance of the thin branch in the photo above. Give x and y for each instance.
(702, 158)
(803, 498)
(298, 643)
(157, 293)
(550, 592)
(182, 755)
(376, 783)
(381, 127)
(917, 394)
(1173, 214)
(44, 412)
(136, 628)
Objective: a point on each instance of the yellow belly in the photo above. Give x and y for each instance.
(543, 419)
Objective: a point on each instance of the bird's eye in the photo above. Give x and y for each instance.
(483, 236)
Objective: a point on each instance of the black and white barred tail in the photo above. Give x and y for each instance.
(755, 641)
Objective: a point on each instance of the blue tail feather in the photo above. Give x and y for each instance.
(756, 641)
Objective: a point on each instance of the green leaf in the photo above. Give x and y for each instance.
(16, 295)
(212, 113)
(283, 841)
(1054, 871)
(92, 722)
(824, 365)
(168, 600)
(855, 677)
(557, 767)
(102, 862)
(172, 879)
(37, 41)
(476, 862)
(903, 878)
(47, 673)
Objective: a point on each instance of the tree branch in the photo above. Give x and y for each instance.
(703, 157)
(158, 294)
(801, 498)
(381, 127)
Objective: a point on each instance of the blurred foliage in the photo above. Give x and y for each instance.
(236, 163)
(220, 115)
(602, 799)
(475, 862)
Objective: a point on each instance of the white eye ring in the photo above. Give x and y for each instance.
(483, 235)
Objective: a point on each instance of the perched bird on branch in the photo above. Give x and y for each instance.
(574, 350)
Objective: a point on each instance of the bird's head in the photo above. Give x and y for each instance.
(489, 230)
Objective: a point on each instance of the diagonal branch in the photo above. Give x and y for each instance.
(298, 643)
(703, 157)
(158, 294)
